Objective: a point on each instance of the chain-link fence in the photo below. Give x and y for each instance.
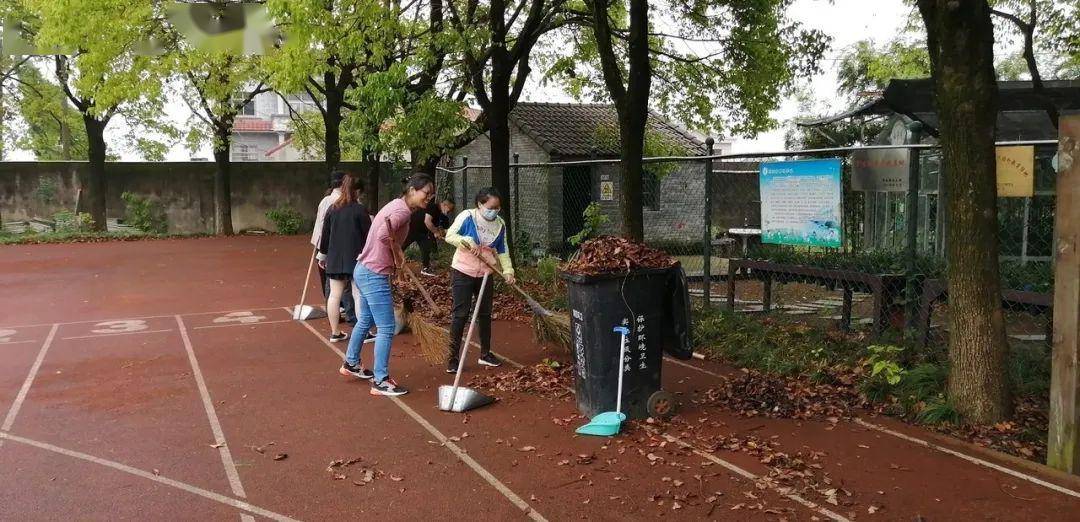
(855, 241)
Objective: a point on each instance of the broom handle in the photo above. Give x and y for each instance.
(412, 277)
(307, 281)
(512, 285)
(468, 339)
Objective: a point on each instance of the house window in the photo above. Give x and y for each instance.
(650, 191)
(249, 109)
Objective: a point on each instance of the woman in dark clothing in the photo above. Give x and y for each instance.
(345, 230)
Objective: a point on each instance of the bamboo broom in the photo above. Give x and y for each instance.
(548, 326)
(434, 341)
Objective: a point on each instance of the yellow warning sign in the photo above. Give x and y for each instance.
(1015, 172)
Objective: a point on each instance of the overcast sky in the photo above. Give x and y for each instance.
(847, 21)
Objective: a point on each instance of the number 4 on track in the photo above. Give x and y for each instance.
(239, 317)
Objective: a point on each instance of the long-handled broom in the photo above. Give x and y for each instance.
(434, 341)
(548, 326)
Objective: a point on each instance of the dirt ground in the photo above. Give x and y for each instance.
(165, 379)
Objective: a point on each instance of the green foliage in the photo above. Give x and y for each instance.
(866, 66)
(43, 107)
(718, 67)
(69, 222)
(286, 219)
(938, 412)
(884, 365)
(594, 220)
(144, 213)
(547, 270)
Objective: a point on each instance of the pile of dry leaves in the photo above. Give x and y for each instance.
(548, 380)
(1024, 436)
(751, 394)
(361, 474)
(506, 306)
(610, 254)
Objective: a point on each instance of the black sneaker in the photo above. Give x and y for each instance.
(489, 359)
(451, 366)
(387, 386)
(357, 371)
(369, 338)
(337, 338)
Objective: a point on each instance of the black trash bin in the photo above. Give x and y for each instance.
(654, 304)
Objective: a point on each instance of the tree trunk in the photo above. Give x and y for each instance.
(223, 187)
(372, 183)
(332, 123)
(94, 184)
(65, 130)
(960, 39)
(499, 133)
(632, 170)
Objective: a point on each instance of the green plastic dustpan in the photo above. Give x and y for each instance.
(605, 424)
(608, 423)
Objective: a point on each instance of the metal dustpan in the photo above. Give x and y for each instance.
(457, 398)
(609, 423)
(307, 312)
(464, 399)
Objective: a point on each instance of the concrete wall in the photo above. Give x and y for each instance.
(185, 189)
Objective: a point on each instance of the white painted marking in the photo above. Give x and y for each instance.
(211, 414)
(750, 476)
(19, 342)
(969, 458)
(120, 326)
(210, 495)
(6, 335)
(964, 456)
(240, 324)
(117, 334)
(217, 312)
(245, 317)
(445, 441)
(244, 517)
(17, 405)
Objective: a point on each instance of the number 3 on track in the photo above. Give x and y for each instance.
(122, 326)
(239, 317)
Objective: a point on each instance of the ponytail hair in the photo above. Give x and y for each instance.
(351, 186)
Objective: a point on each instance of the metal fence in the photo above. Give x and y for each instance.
(886, 276)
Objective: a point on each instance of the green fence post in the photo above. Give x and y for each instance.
(706, 261)
(912, 214)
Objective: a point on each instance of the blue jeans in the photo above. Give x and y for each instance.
(376, 308)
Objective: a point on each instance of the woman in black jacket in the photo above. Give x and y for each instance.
(345, 229)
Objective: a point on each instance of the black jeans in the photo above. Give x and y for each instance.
(427, 248)
(464, 288)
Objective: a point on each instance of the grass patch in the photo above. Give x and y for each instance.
(37, 238)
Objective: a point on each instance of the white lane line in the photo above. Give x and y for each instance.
(211, 414)
(445, 441)
(727, 465)
(256, 323)
(930, 445)
(786, 492)
(216, 497)
(5, 343)
(973, 460)
(221, 312)
(244, 517)
(116, 334)
(17, 405)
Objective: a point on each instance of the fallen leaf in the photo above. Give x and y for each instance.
(872, 509)
(676, 505)
(396, 478)
(218, 445)
(527, 448)
(281, 456)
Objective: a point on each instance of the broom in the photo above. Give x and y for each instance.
(434, 341)
(548, 326)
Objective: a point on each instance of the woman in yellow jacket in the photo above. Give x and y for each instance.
(476, 233)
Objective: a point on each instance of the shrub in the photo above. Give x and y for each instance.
(594, 220)
(67, 221)
(547, 270)
(144, 213)
(46, 190)
(287, 220)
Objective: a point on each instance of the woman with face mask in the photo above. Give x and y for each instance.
(476, 233)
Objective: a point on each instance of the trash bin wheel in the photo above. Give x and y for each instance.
(662, 405)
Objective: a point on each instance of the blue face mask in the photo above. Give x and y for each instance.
(490, 214)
